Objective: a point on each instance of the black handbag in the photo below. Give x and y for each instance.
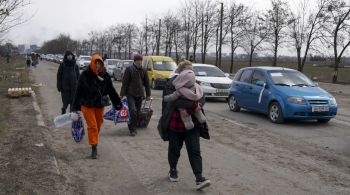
(104, 98)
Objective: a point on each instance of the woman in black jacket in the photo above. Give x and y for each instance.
(91, 97)
(172, 129)
(67, 80)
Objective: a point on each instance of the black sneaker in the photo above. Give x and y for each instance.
(173, 175)
(202, 183)
(93, 151)
(132, 133)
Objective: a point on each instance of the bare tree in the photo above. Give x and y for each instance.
(207, 26)
(236, 18)
(337, 31)
(256, 32)
(12, 14)
(278, 17)
(306, 28)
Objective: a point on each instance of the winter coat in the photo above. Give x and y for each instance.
(67, 75)
(169, 107)
(135, 82)
(91, 89)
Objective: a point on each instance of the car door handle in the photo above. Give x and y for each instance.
(250, 88)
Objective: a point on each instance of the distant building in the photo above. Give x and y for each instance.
(33, 48)
(21, 49)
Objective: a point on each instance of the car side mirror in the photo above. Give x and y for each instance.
(316, 84)
(261, 84)
(227, 74)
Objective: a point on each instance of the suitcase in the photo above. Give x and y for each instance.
(145, 114)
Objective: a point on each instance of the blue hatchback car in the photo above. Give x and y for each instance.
(281, 93)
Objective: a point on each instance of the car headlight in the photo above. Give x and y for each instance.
(203, 83)
(332, 101)
(296, 100)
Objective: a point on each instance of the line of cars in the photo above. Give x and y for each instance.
(278, 92)
(57, 58)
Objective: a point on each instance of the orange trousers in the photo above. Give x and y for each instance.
(94, 120)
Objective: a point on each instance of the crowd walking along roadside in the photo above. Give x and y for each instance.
(94, 87)
(135, 84)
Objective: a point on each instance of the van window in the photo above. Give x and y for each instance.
(164, 66)
(246, 75)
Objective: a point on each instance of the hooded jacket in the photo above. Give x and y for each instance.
(93, 85)
(67, 74)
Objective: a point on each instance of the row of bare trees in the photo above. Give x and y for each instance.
(304, 27)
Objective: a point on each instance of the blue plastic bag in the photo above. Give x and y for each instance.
(118, 116)
(78, 130)
(122, 115)
(110, 114)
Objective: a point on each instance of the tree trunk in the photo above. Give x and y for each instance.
(251, 57)
(300, 68)
(275, 50)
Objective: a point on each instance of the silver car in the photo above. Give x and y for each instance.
(118, 71)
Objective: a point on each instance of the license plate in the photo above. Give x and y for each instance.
(222, 91)
(320, 109)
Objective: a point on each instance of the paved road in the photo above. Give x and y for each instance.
(246, 155)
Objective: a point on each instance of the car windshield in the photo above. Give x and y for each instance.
(112, 62)
(85, 58)
(127, 63)
(164, 66)
(208, 71)
(290, 78)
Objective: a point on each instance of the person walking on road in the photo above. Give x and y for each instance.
(172, 129)
(91, 97)
(134, 84)
(67, 80)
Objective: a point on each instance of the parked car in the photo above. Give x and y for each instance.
(214, 82)
(58, 58)
(118, 71)
(111, 65)
(159, 68)
(83, 61)
(281, 93)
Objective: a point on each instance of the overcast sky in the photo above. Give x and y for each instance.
(78, 17)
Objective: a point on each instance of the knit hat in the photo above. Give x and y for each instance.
(138, 57)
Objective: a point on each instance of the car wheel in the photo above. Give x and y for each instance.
(232, 103)
(275, 113)
(323, 120)
(153, 85)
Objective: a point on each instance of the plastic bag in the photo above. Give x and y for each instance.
(118, 116)
(78, 130)
(122, 115)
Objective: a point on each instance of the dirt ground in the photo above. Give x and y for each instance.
(24, 167)
(246, 155)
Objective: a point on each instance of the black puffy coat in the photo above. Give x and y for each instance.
(67, 74)
(90, 91)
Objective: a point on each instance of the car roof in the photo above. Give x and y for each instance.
(267, 68)
(84, 56)
(207, 65)
(113, 59)
(160, 58)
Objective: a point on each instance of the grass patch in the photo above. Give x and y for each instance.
(322, 70)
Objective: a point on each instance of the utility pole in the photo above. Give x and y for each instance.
(158, 40)
(146, 34)
(221, 21)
